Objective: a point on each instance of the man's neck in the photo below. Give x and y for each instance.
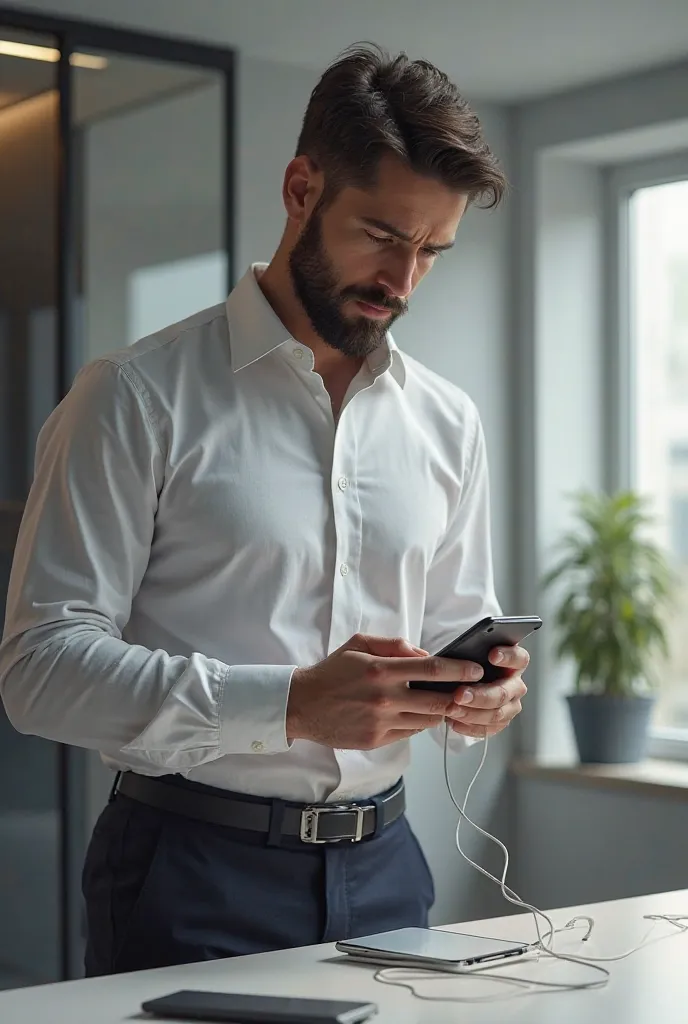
(336, 369)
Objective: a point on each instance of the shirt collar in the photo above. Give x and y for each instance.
(255, 330)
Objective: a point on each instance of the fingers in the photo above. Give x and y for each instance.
(400, 734)
(433, 669)
(491, 695)
(516, 658)
(419, 722)
(477, 731)
(500, 716)
(384, 646)
(389, 677)
(491, 709)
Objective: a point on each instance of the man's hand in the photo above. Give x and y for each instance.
(358, 698)
(486, 710)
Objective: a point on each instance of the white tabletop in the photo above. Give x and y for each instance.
(650, 986)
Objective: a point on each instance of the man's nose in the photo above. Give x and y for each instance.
(397, 276)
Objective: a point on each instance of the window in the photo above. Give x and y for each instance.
(658, 411)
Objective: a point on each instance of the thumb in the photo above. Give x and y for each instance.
(385, 647)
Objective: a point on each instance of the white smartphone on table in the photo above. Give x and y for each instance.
(431, 948)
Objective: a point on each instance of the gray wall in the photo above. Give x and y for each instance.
(458, 327)
(587, 845)
(574, 844)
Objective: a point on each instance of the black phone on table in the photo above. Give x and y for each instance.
(248, 1009)
(477, 642)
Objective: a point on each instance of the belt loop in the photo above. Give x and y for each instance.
(379, 816)
(115, 784)
(276, 818)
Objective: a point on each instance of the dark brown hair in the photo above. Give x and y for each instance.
(368, 104)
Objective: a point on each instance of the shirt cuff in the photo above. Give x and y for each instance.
(253, 709)
(459, 743)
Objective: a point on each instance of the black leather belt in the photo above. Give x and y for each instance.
(312, 824)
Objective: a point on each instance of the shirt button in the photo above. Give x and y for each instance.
(298, 353)
(344, 569)
(257, 746)
(342, 483)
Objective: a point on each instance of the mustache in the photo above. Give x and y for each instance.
(376, 297)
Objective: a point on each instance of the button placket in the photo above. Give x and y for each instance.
(345, 617)
(343, 486)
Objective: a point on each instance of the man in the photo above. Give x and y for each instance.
(233, 523)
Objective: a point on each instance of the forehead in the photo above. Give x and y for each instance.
(411, 202)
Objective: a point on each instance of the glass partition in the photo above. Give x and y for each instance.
(29, 799)
(115, 221)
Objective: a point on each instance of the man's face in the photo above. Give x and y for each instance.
(357, 261)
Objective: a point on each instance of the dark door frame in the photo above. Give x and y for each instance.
(70, 35)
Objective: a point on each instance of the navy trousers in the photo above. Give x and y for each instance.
(161, 889)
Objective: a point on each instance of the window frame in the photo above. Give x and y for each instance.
(621, 182)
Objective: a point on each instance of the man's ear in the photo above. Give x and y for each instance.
(302, 188)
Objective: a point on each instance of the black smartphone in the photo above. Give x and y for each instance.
(477, 642)
(248, 1009)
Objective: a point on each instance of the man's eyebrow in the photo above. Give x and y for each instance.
(389, 229)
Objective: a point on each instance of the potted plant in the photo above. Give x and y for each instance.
(615, 584)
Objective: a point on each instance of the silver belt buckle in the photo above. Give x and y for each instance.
(310, 817)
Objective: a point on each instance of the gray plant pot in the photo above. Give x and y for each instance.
(610, 730)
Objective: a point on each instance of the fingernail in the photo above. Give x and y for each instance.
(459, 712)
(498, 658)
(466, 697)
(476, 672)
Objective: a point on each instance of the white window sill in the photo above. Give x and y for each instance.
(651, 777)
(669, 743)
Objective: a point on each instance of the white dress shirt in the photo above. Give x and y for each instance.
(199, 525)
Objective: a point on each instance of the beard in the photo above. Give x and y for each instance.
(315, 283)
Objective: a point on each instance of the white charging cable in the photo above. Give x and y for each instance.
(405, 977)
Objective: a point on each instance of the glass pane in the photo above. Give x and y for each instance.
(151, 138)
(29, 933)
(148, 143)
(660, 333)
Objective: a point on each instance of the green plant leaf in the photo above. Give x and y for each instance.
(613, 585)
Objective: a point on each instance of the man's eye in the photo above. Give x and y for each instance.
(431, 254)
(378, 239)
